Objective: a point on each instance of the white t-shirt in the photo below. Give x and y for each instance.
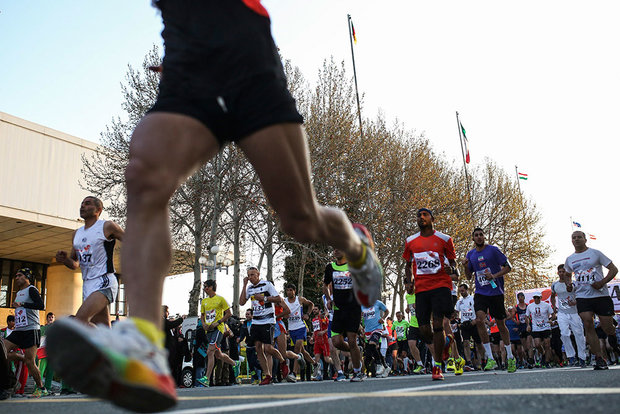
(587, 268)
(540, 315)
(564, 297)
(466, 307)
(264, 312)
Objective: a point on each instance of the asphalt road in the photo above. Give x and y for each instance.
(559, 390)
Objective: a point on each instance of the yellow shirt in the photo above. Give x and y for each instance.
(213, 310)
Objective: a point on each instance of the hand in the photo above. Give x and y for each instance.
(61, 256)
(305, 317)
(259, 297)
(571, 302)
(17, 304)
(407, 309)
(465, 263)
(488, 275)
(245, 280)
(597, 285)
(529, 328)
(381, 321)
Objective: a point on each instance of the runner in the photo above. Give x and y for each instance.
(320, 325)
(214, 312)
(400, 327)
(222, 80)
(347, 312)
(296, 326)
(413, 332)
(431, 260)
(526, 336)
(92, 252)
(280, 336)
(515, 335)
(568, 318)
(538, 315)
(26, 334)
(489, 265)
(333, 351)
(591, 292)
(374, 318)
(469, 331)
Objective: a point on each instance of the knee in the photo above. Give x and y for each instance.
(152, 184)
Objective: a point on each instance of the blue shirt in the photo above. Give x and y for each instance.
(489, 260)
(372, 315)
(513, 329)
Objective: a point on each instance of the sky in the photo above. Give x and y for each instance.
(536, 83)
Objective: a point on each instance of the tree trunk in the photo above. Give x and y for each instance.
(237, 256)
(216, 217)
(302, 271)
(269, 250)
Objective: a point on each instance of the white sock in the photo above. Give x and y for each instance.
(487, 350)
(509, 352)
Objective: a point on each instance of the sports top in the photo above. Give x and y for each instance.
(429, 258)
(94, 251)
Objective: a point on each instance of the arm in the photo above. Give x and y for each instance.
(37, 302)
(408, 273)
(286, 311)
(111, 230)
(454, 272)
(69, 260)
(468, 273)
(505, 269)
(612, 272)
(308, 303)
(328, 291)
(243, 298)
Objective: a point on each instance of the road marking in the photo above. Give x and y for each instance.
(316, 398)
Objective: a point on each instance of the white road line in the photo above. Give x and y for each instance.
(314, 400)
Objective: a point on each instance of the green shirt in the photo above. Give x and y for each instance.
(413, 320)
(401, 329)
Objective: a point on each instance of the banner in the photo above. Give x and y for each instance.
(613, 286)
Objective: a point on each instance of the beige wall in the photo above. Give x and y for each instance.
(64, 290)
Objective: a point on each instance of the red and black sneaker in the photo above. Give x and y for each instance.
(437, 375)
(266, 380)
(446, 348)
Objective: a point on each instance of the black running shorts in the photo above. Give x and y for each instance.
(470, 332)
(346, 319)
(602, 306)
(542, 334)
(437, 302)
(25, 339)
(493, 305)
(413, 334)
(222, 68)
(262, 333)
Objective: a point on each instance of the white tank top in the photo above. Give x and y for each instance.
(94, 251)
(295, 320)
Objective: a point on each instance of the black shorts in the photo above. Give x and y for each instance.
(437, 302)
(470, 332)
(515, 341)
(495, 337)
(346, 320)
(214, 337)
(374, 337)
(403, 346)
(222, 67)
(492, 305)
(413, 334)
(602, 306)
(524, 334)
(262, 333)
(542, 334)
(25, 339)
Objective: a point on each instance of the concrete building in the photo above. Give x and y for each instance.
(40, 196)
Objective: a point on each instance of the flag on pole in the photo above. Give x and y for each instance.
(353, 32)
(522, 176)
(591, 236)
(467, 159)
(576, 224)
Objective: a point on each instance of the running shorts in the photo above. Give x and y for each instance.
(262, 333)
(321, 345)
(495, 337)
(279, 329)
(602, 306)
(403, 346)
(299, 334)
(222, 67)
(374, 337)
(413, 334)
(346, 319)
(493, 305)
(435, 301)
(470, 332)
(25, 339)
(515, 341)
(214, 337)
(106, 284)
(542, 334)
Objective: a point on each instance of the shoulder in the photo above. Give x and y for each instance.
(412, 238)
(442, 236)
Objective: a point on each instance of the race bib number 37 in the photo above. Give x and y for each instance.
(427, 263)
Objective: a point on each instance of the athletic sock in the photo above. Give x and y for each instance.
(148, 329)
(487, 350)
(508, 352)
(360, 262)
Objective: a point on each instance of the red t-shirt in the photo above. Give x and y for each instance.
(429, 259)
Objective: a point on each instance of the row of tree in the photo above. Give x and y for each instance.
(379, 175)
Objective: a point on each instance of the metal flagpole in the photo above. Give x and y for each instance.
(357, 95)
(458, 125)
(527, 230)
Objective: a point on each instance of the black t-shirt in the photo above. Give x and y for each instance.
(342, 284)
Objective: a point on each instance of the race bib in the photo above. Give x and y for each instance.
(411, 309)
(295, 317)
(481, 276)
(400, 332)
(21, 318)
(585, 277)
(257, 307)
(541, 323)
(468, 314)
(370, 314)
(210, 316)
(342, 280)
(427, 263)
(316, 325)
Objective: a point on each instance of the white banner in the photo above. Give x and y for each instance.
(614, 292)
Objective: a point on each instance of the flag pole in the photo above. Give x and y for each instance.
(527, 230)
(458, 125)
(357, 95)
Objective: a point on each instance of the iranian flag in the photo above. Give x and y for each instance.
(467, 159)
(522, 176)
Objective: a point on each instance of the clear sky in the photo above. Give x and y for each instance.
(536, 83)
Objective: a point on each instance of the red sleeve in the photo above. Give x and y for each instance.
(407, 253)
(450, 254)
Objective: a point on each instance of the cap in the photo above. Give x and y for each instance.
(427, 210)
(26, 272)
(537, 294)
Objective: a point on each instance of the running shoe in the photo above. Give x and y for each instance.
(39, 392)
(368, 278)
(341, 377)
(468, 368)
(582, 363)
(437, 375)
(512, 365)
(284, 369)
(386, 372)
(204, 381)
(419, 369)
(119, 364)
(357, 377)
(237, 368)
(450, 365)
(379, 370)
(491, 364)
(458, 367)
(266, 380)
(446, 348)
(317, 370)
(600, 364)
(292, 378)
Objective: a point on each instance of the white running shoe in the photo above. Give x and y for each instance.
(118, 364)
(367, 279)
(379, 371)
(386, 372)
